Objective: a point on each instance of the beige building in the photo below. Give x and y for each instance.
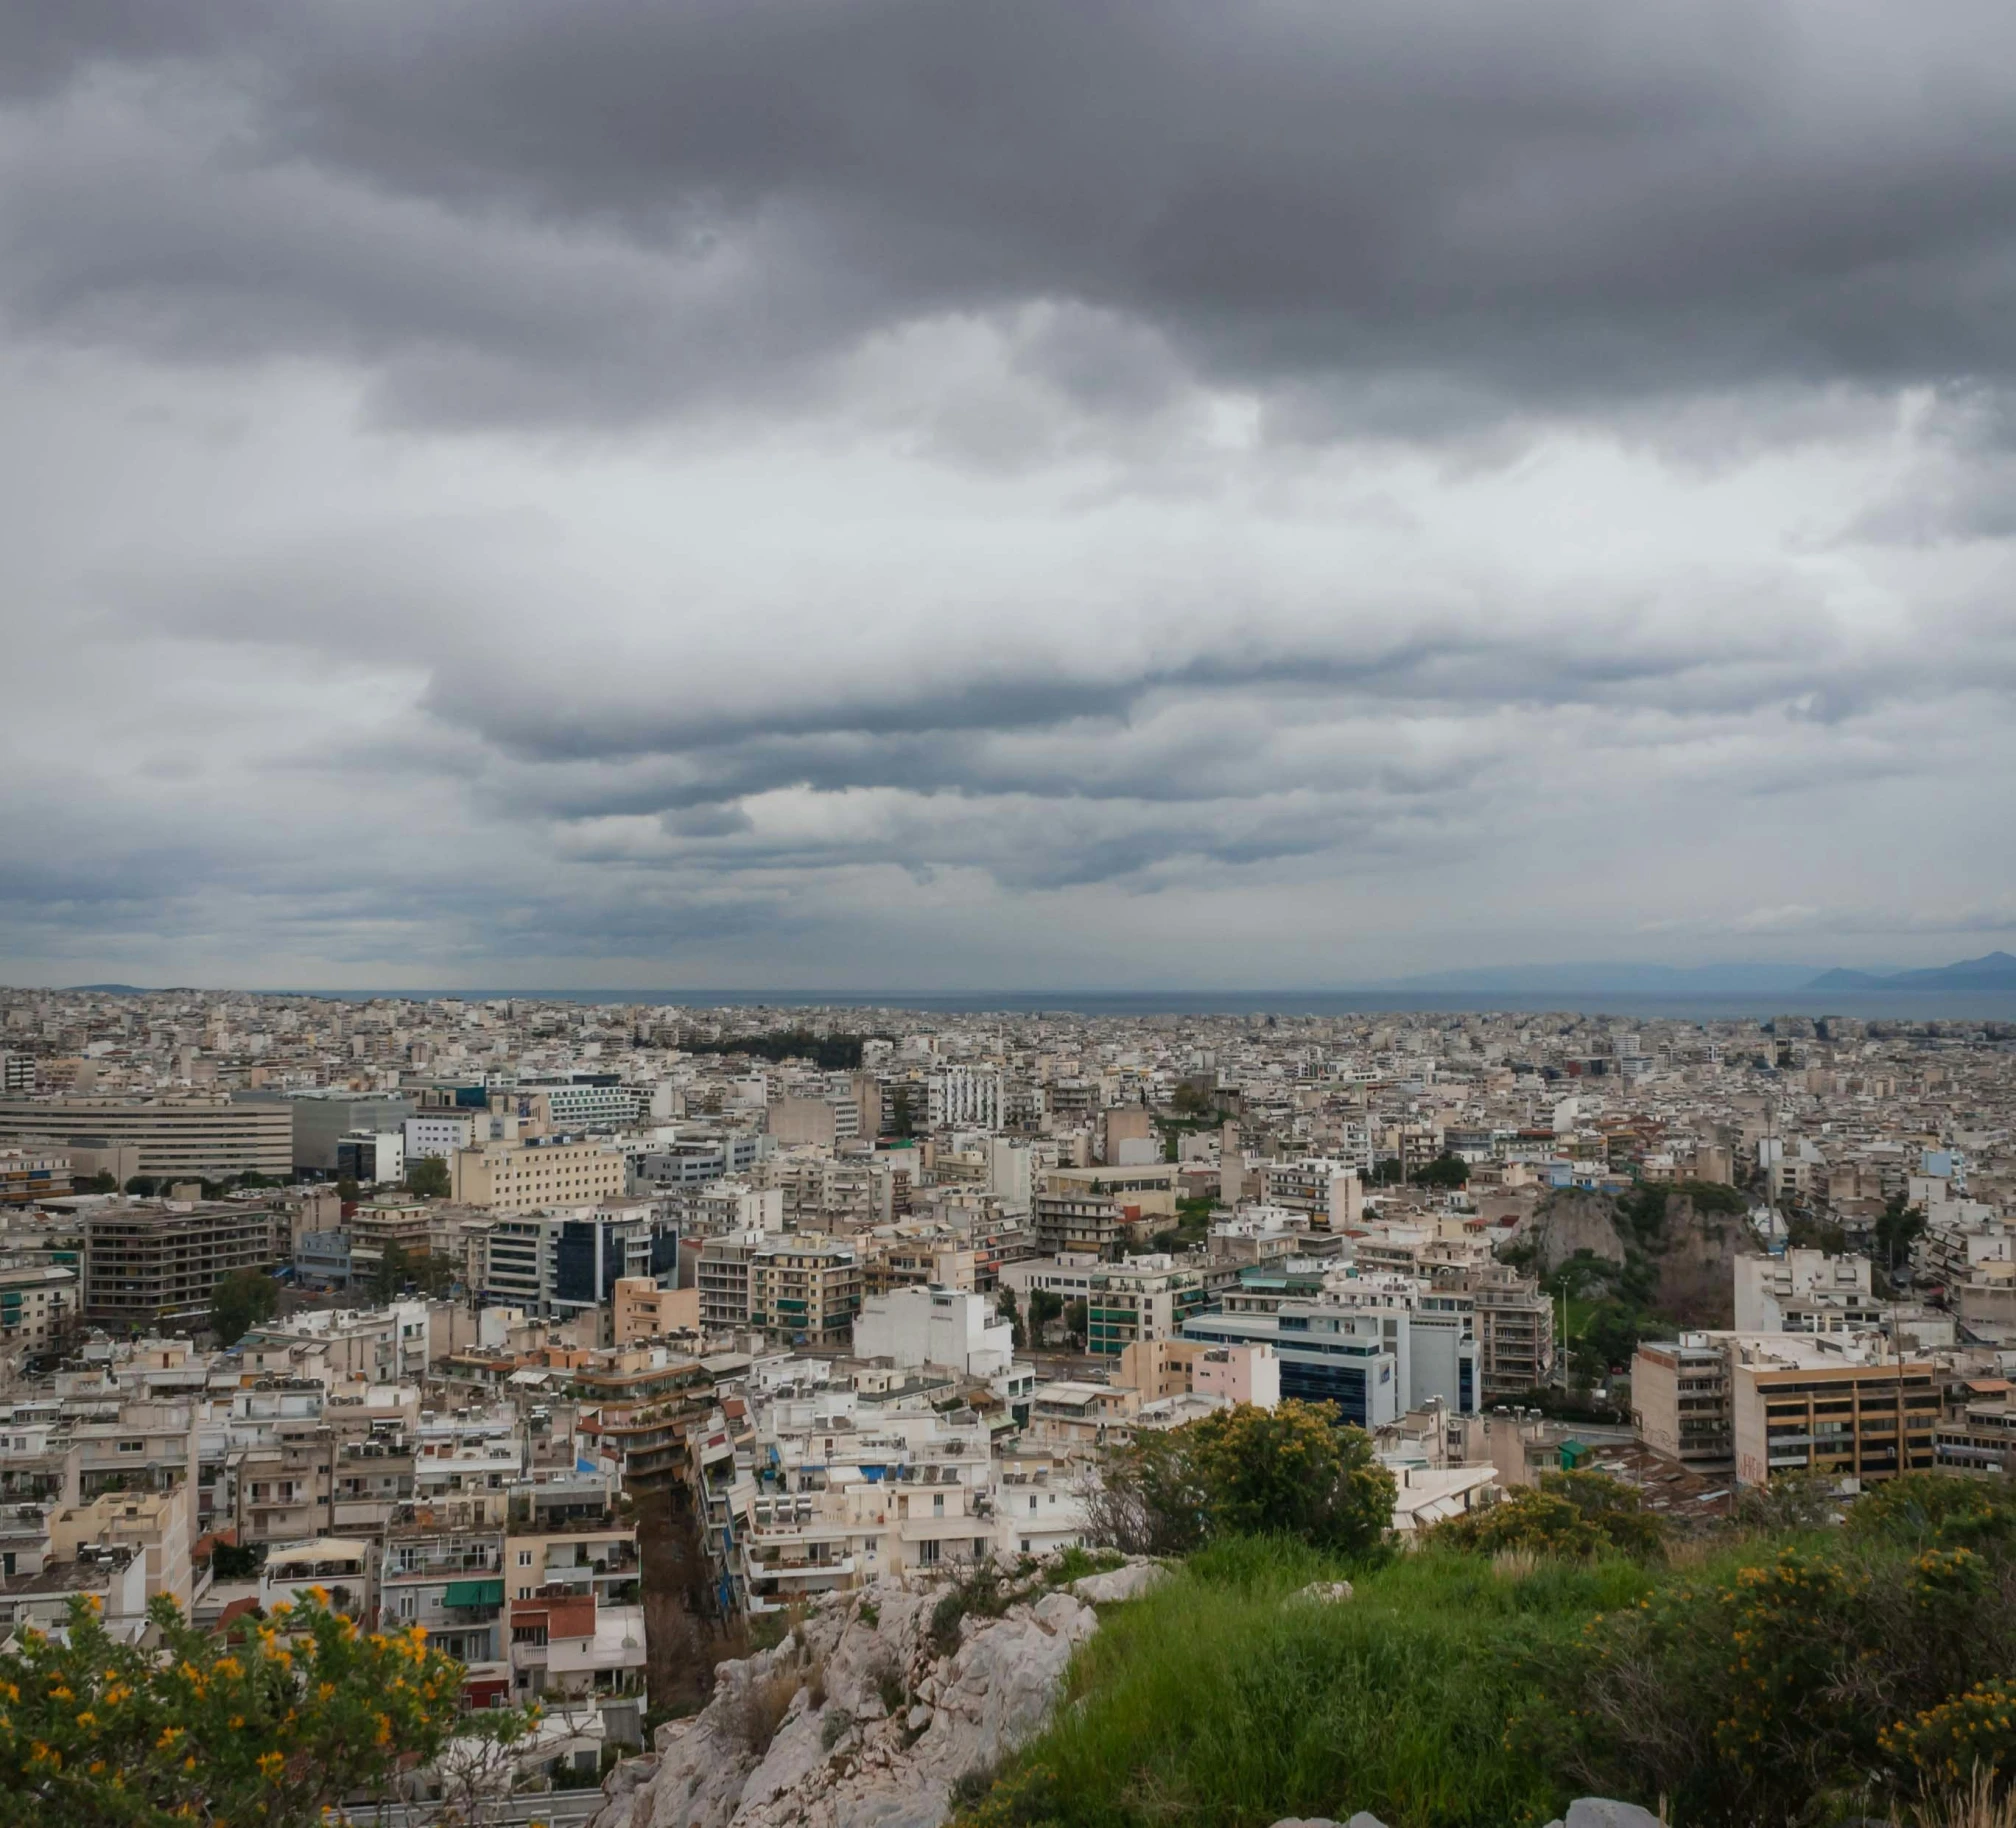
(796, 1122)
(158, 1526)
(176, 1138)
(1094, 1209)
(1680, 1399)
(537, 1174)
(1787, 1402)
(38, 1308)
(646, 1311)
(805, 1289)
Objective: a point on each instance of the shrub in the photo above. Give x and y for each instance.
(1927, 1508)
(758, 1708)
(1766, 1688)
(269, 1724)
(983, 1593)
(834, 1728)
(1579, 1514)
(1076, 1563)
(1289, 1470)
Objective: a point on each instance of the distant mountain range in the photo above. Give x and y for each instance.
(1993, 971)
(1997, 971)
(1609, 978)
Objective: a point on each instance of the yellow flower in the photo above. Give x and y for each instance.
(270, 1764)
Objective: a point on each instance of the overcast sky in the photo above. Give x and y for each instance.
(1040, 495)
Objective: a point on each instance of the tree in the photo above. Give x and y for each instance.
(1290, 1470)
(390, 1276)
(143, 1186)
(901, 1121)
(271, 1725)
(428, 1177)
(1444, 1171)
(346, 1190)
(1609, 1337)
(1570, 1514)
(1075, 1316)
(1899, 1227)
(240, 1302)
(1004, 1305)
(98, 1183)
(1044, 1307)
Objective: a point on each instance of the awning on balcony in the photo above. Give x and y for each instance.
(474, 1593)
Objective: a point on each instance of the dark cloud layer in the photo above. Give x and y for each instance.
(991, 489)
(1456, 213)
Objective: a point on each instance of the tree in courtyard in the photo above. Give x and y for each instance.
(268, 1725)
(143, 1186)
(1899, 1227)
(240, 1302)
(1075, 1316)
(428, 1177)
(1044, 1307)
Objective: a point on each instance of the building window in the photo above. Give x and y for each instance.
(524, 1558)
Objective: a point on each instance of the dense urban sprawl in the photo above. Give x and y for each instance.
(592, 1337)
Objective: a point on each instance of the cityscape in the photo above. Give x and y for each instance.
(599, 1338)
(1078, 915)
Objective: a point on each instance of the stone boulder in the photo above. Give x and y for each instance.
(1320, 1593)
(1118, 1585)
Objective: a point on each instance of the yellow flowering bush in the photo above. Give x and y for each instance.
(261, 1726)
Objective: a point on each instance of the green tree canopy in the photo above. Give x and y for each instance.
(268, 1726)
(1575, 1514)
(240, 1302)
(428, 1177)
(1290, 1470)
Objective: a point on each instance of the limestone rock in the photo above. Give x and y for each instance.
(1321, 1593)
(1600, 1812)
(806, 1734)
(1120, 1584)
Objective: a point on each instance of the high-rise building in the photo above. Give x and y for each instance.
(148, 1266)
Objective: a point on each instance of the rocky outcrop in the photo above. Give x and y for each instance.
(1567, 1223)
(1119, 1584)
(1696, 1264)
(866, 1716)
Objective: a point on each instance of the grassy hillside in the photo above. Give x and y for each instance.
(1803, 1675)
(1217, 1701)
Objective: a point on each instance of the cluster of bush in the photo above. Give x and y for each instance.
(1814, 1659)
(1805, 1673)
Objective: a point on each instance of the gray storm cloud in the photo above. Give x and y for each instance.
(780, 494)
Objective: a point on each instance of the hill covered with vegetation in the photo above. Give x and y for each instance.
(1786, 1669)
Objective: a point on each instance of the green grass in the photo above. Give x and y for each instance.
(1210, 1702)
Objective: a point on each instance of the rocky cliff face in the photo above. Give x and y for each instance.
(1571, 1221)
(866, 1716)
(1686, 1255)
(1697, 1277)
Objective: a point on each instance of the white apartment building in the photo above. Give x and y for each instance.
(1804, 1291)
(442, 1133)
(965, 1097)
(934, 1326)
